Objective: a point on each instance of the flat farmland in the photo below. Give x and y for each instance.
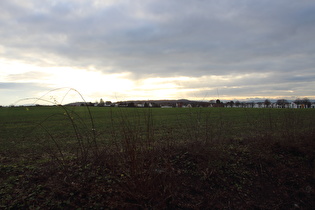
(92, 157)
(18, 123)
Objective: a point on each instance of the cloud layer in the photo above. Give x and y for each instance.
(245, 48)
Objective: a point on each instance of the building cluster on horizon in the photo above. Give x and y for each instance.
(184, 103)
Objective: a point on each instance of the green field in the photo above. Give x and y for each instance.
(28, 122)
(70, 157)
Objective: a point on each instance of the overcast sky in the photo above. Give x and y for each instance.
(157, 49)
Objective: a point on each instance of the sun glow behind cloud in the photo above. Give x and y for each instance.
(92, 84)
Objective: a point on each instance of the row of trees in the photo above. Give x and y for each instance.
(305, 102)
(301, 103)
(266, 103)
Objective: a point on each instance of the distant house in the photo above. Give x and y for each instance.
(293, 105)
(108, 103)
(218, 103)
(140, 105)
(189, 106)
(121, 104)
(179, 104)
(166, 106)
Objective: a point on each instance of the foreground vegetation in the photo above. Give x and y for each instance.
(94, 157)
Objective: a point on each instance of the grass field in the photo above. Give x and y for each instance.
(93, 157)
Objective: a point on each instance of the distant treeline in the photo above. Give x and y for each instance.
(184, 103)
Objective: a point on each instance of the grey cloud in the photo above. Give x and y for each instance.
(10, 85)
(21, 87)
(167, 38)
(12, 92)
(31, 75)
(202, 33)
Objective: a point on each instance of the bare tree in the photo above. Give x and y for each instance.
(101, 103)
(298, 102)
(251, 104)
(267, 103)
(260, 104)
(237, 103)
(282, 103)
(306, 102)
(230, 104)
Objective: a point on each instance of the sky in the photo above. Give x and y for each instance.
(60, 51)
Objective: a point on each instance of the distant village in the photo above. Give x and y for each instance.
(184, 103)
